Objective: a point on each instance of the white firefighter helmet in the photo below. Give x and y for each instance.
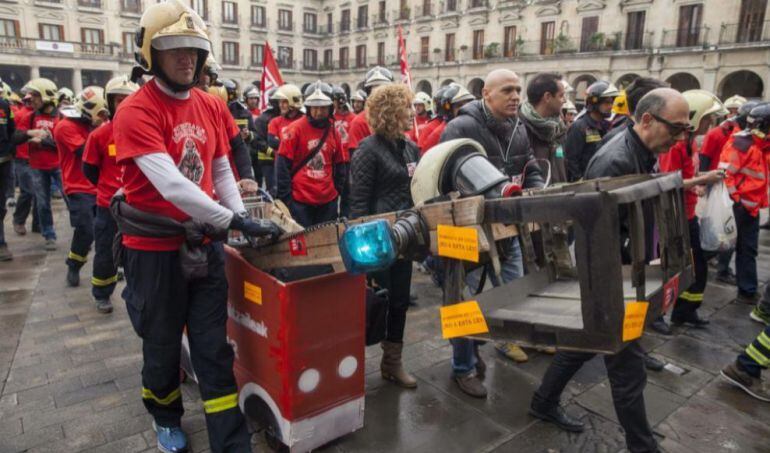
(734, 102)
(703, 103)
(569, 107)
(427, 179)
(290, 93)
(120, 85)
(424, 99)
(44, 87)
(89, 104)
(318, 99)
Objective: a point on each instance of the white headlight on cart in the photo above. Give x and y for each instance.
(347, 366)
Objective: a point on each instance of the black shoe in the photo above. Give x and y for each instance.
(559, 417)
(471, 385)
(748, 299)
(727, 278)
(660, 326)
(103, 306)
(73, 276)
(653, 364)
(691, 318)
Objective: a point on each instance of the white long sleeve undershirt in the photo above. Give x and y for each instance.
(164, 175)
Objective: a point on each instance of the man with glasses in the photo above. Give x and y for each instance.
(661, 119)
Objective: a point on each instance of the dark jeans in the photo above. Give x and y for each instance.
(267, 168)
(723, 262)
(397, 279)
(82, 208)
(757, 354)
(309, 215)
(105, 274)
(26, 201)
(746, 250)
(6, 182)
(160, 303)
(43, 182)
(690, 300)
(627, 381)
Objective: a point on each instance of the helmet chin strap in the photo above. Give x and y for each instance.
(178, 87)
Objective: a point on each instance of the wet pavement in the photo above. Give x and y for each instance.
(70, 379)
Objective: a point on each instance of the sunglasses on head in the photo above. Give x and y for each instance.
(673, 128)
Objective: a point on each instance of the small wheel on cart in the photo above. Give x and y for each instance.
(273, 441)
(260, 417)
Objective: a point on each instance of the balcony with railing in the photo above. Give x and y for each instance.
(380, 20)
(448, 8)
(67, 49)
(285, 27)
(344, 26)
(362, 23)
(403, 14)
(424, 11)
(685, 37)
(478, 6)
(758, 32)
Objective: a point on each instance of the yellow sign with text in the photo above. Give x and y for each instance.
(633, 321)
(252, 292)
(462, 319)
(460, 243)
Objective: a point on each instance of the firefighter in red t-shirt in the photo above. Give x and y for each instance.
(359, 127)
(704, 108)
(70, 134)
(289, 99)
(100, 167)
(172, 145)
(35, 129)
(423, 111)
(25, 203)
(311, 169)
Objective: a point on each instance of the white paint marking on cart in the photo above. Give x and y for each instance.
(243, 319)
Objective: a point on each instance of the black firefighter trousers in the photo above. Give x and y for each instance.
(160, 303)
(627, 381)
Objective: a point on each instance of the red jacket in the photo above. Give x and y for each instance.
(744, 161)
(715, 139)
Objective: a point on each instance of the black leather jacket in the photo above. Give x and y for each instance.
(511, 153)
(381, 174)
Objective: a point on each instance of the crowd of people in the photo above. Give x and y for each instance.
(160, 160)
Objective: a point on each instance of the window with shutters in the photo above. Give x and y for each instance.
(424, 49)
(229, 53)
(509, 41)
(9, 29)
(587, 32)
(345, 21)
(344, 57)
(285, 20)
(329, 23)
(229, 13)
(381, 16)
(258, 16)
(478, 44)
(449, 47)
(257, 54)
(635, 30)
(51, 32)
(361, 56)
(690, 17)
(547, 31)
(310, 23)
(752, 20)
(131, 6)
(381, 53)
(200, 7)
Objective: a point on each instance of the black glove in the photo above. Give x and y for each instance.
(255, 227)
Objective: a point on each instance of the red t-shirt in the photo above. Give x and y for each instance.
(433, 138)
(342, 122)
(359, 130)
(715, 140)
(678, 159)
(40, 157)
(313, 184)
(278, 124)
(189, 130)
(100, 152)
(231, 130)
(69, 135)
(21, 117)
(425, 132)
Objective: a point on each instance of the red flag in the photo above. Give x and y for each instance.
(271, 76)
(406, 76)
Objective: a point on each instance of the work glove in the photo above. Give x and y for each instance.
(255, 227)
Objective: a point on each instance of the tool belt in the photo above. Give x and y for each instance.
(193, 255)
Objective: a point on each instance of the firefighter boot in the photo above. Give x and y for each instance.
(391, 367)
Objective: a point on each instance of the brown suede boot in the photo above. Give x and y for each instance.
(391, 367)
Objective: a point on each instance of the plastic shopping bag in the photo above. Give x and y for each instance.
(718, 231)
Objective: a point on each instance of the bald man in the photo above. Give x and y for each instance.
(493, 122)
(661, 119)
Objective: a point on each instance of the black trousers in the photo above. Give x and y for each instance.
(105, 274)
(309, 215)
(746, 250)
(397, 279)
(82, 208)
(160, 304)
(627, 381)
(690, 300)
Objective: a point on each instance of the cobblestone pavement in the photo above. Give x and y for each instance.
(69, 379)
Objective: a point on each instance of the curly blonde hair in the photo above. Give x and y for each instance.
(389, 110)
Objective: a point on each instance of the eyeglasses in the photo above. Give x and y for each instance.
(674, 129)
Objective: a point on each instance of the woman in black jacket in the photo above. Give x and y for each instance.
(381, 173)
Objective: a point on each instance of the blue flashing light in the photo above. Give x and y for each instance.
(367, 247)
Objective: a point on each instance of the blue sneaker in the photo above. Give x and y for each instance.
(170, 440)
